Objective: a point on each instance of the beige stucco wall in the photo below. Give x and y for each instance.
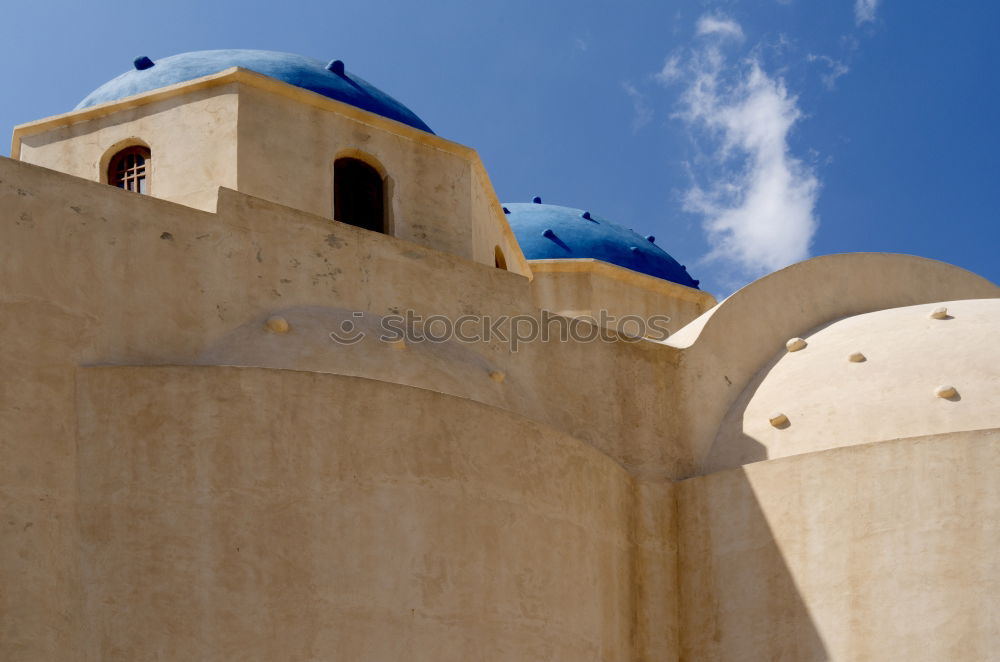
(134, 279)
(219, 513)
(247, 518)
(193, 141)
(490, 229)
(582, 288)
(244, 131)
(287, 151)
(884, 551)
(723, 350)
(830, 400)
(96, 275)
(438, 193)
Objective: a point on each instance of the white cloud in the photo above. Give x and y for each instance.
(671, 70)
(864, 11)
(643, 111)
(758, 206)
(719, 24)
(836, 69)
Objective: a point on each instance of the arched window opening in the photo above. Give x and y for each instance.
(358, 195)
(129, 169)
(501, 261)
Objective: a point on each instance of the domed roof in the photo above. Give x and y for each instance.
(547, 232)
(871, 377)
(304, 72)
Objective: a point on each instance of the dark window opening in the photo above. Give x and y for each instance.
(358, 196)
(500, 260)
(129, 169)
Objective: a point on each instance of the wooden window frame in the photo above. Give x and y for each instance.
(127, 172)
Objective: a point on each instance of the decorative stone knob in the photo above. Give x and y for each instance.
(795, 344)
(277, 324)
(946, 391)
(940, 313)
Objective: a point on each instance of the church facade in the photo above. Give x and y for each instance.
(284, 380)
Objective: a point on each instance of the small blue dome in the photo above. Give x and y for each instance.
(304, 72)
(551, 232)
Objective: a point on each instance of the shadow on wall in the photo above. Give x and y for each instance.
(738, 598)
(732, 446)
(731, 450)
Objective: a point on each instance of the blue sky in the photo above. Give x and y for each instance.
(743, 134)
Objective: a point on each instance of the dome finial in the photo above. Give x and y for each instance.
(537, 200)
(336, 66)
(142, 63)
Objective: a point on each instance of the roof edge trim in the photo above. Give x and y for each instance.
(233, 75)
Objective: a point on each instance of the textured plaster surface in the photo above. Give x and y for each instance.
(725, 348)
(251, 514)
(192, 141)
(97, 276)
(585, 287)
(884, 551)
(457, 500)
(891, 394)
(263, 137)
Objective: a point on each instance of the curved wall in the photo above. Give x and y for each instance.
(130, 279)
(251, 514)
(890, 394)
(885, 551)
(727, 346)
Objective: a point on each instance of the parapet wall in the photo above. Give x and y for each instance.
(130, 279)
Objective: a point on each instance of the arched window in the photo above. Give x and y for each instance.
(499, 259)
(358, 195)
(129, 169)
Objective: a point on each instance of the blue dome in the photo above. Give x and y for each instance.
(297, 70)
(547, 232)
